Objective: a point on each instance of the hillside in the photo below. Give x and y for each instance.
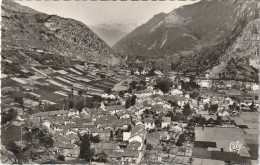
(181, 36)
(25, 28)
(241, 59)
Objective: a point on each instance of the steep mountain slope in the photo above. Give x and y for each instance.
(182, 34)
(25, 28)
(241, 59)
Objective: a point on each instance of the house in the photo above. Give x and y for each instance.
(149, 123)
(211, 144)
(138, 133)
(70, 150)
(166, 121)
(135, 146)
(113, 109)
(114, 156)
(205, 83)
(105, 147)
(181, 101)
(130, 156)
(153, 138)
(176, 92)
(104, 134)
(255, 87)
(126, 136)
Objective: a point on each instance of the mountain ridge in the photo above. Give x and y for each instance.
(63, 36)
(186, 31)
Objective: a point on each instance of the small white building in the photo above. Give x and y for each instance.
(126, 136)
(176, 92)
(255, 87)
(149, 123)
(166, 121)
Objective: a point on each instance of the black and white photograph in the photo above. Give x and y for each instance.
(130, 82)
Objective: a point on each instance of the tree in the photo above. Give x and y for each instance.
(173, 103)
(71, 104)
(149, 147)
(121, 94)
(8, 116)
(151, 72)
(194, 95)
(186, 110)
(213, 108)
(181, 140)
(130, 101)
(14, 148)
(79, 105)
(140, 69)
(252, 106)
(218, 121)
(132, 72)
(61, 157)
(27, 136)
(94, 139)
(164, 84)
(206, 107)
(80, 92)
(19, 100)
(45, 139)
(142, 82)
(177, 117)
(86, 152)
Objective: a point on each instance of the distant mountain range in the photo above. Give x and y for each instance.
(111, 33)
(23, 28)
(196, 37)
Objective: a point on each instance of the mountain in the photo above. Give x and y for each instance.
(109, 36)
(25, 28)
(241, 59)
(111, 33)
(192, 37)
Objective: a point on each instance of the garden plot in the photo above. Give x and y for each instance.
(62, 93)
(79, 67)
(79, 78)
(75, 71)
(63, 72)
(19, 80)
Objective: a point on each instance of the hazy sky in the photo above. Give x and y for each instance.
(97, 12)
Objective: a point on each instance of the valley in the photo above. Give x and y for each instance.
(182, 88)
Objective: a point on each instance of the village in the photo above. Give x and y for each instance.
(130, 115)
